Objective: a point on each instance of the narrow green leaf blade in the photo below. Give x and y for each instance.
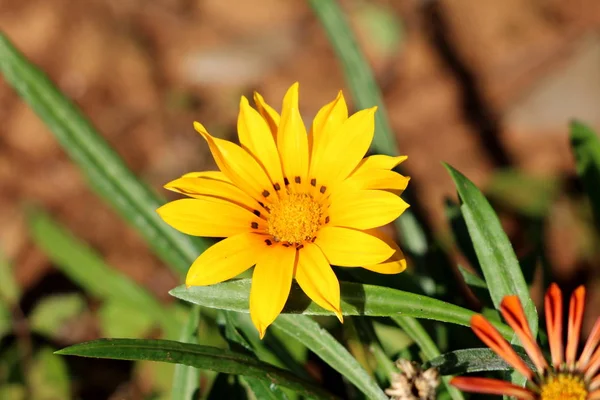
(495, 254)
(204, 357)
(586, 148)
(359, 76)
(474, 360)
(81, 264)
(320, 342)
(471, 279)
(10, 293)
(105, 170)
(186, 379)
(357, 299)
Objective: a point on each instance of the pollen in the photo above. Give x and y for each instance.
(564, 387)
(295, 219)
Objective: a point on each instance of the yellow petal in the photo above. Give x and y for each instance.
(364, 209)
(238, 165)
(326, 123)
(349, 248)
(208, 216)
(256, 138)
(317, 279)
(378, 179)
(292, 140)
(226, 259)
(268, 113)
(271, 283)
(344, 149)
(393, 265)
(379, 161)
(217, 175)
(199, 187)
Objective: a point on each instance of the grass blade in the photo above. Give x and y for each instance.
(186, 379)
(474, 360)
(86, 268)
(320, 342)
(359, 77)
(586, 148)
(105, 170)
(203, 357)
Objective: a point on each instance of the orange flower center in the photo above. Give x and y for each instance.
(295, 219)
(564, 387)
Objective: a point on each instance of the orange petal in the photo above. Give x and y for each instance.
(492, 338)
(271, 283)
(491, 386)
(513, 313)
(595, 395)
(238, 165)
(317, 279)
(594, 385)
(590, 346)
(592, 366)
(576, 306)
(226, 259)
(554, 322)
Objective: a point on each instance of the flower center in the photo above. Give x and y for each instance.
(295, 218)
(564, 387)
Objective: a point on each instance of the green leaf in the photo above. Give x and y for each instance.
(52, 313)
(320, 342)
(49, 377)
(357, 299)
(194, 355)
(359, 77)
(85, 267)
(105, 170)
(495, 254)
(415, 330)
(586, 148)
(474, 360)
(471, 279)
(186, 379)
(9, 290)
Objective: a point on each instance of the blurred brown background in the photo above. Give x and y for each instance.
(481, 85)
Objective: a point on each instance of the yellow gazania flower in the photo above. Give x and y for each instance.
(291, 204)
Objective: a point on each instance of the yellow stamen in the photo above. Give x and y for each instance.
(295, 219)
(564, 387)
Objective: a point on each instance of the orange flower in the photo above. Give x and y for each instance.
(566, 378)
